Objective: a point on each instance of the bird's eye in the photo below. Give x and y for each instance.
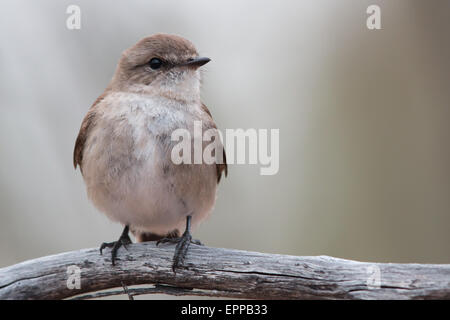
(155, 63)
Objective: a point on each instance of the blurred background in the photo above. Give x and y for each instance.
(364, 120)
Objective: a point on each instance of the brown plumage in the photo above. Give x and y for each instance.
(89, 120)
(124, 145)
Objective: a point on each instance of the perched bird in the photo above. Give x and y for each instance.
(124, 146)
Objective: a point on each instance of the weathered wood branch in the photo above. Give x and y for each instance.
(222, 272)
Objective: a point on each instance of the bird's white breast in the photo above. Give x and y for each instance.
(128, 170)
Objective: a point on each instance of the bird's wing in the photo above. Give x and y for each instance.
(220, 167)
(86, 126)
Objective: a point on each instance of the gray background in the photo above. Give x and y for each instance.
(363, 118)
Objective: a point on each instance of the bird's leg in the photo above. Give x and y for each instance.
(124, 240)
(182, 246)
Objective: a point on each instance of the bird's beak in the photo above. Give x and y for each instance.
(196, 62)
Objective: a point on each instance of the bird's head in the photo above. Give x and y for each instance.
(161, 64)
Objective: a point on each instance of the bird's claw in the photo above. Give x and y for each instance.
(123, 241)
(181, 249)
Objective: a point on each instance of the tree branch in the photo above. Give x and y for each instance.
(223, 273)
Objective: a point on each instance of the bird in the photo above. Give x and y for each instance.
(124, 145)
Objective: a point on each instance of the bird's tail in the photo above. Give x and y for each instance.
(149, 236)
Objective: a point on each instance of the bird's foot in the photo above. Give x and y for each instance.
(181, 249)
(124, 240)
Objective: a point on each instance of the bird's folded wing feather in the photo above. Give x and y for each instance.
(86, 126)
(220, 167)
